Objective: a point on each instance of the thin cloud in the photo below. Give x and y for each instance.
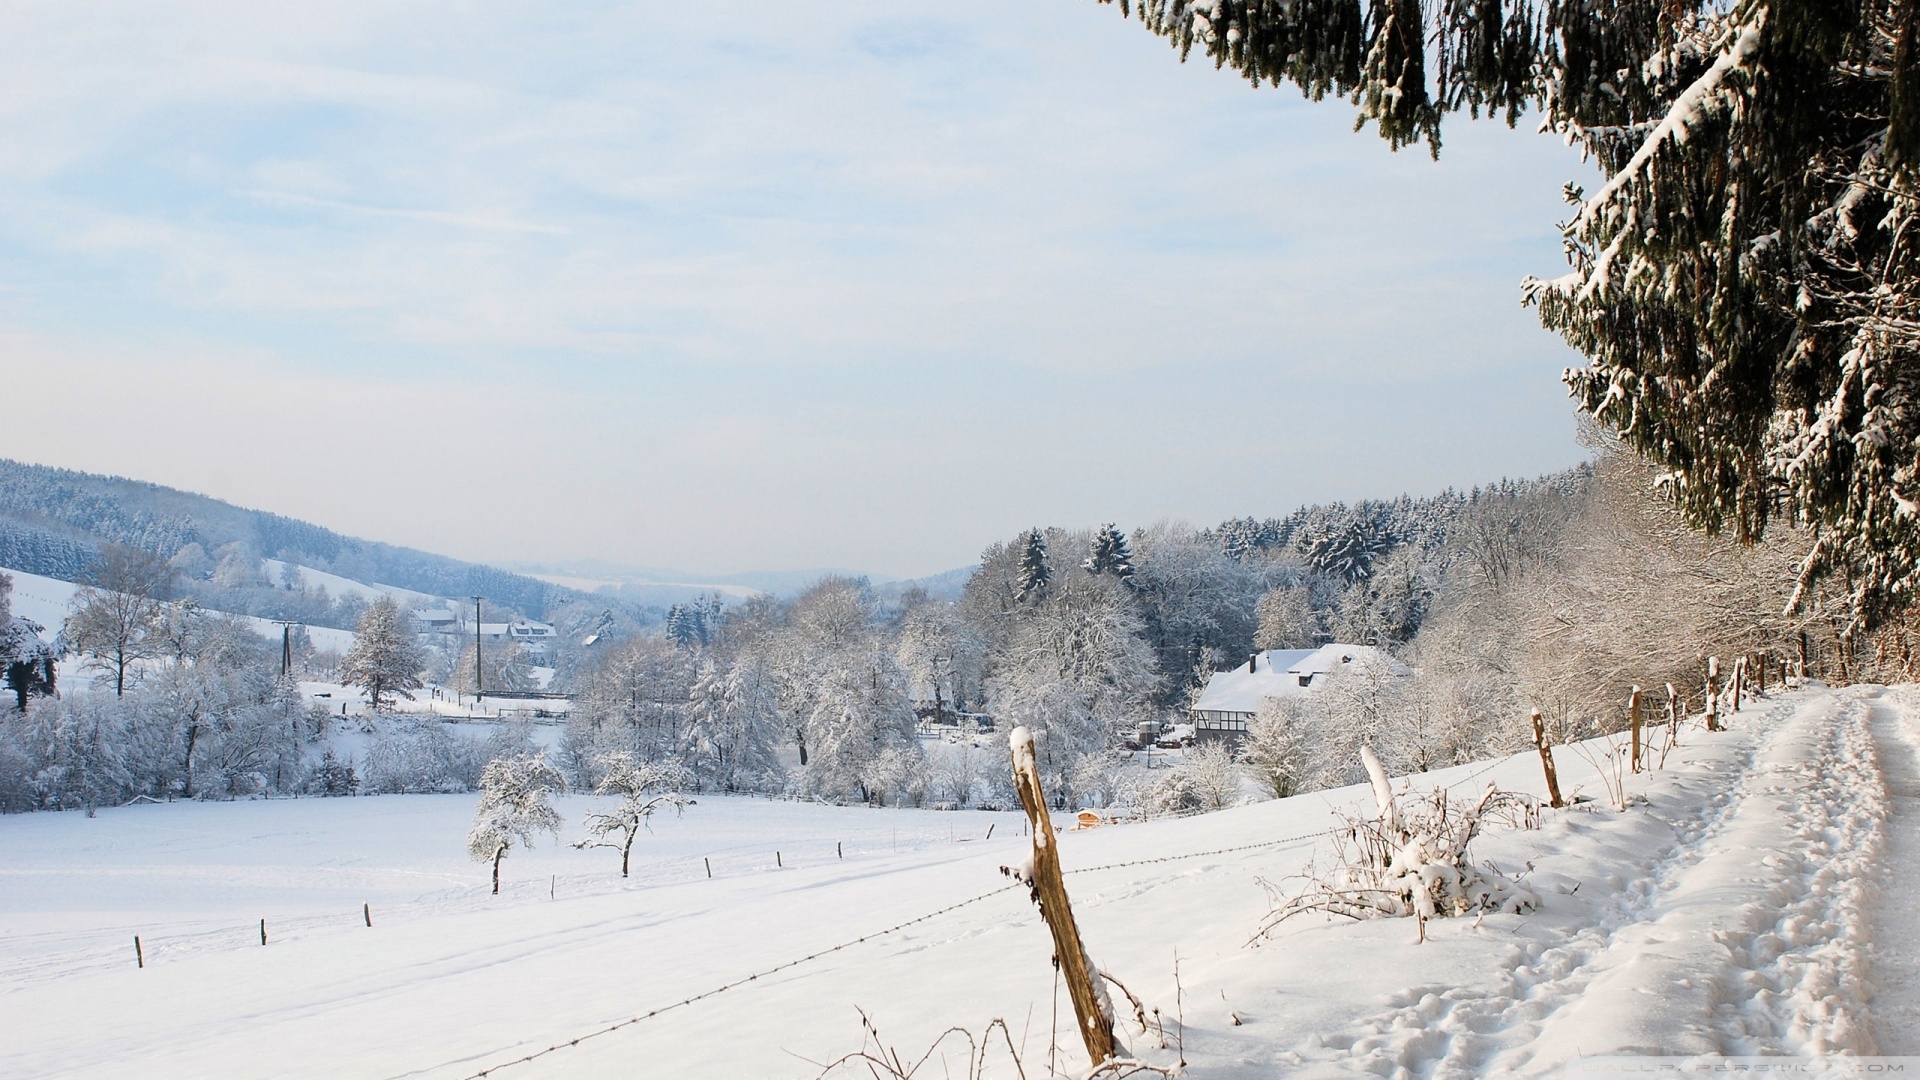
(437, 217)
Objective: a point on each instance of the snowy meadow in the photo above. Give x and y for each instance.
(1654, 930)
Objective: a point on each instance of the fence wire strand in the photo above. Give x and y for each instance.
(756, 976)
(897, 927)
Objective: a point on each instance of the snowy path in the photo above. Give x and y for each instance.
(1733, 908)
(1896, 970)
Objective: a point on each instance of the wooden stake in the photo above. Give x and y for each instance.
(1050, 894)
(139, 958)
(776, 860)
(839, 851)
(1546, 761)
(709, 863)
(263, 931)
(366, 911)
(1713, 693)
(1739, 681)
(1633, 720)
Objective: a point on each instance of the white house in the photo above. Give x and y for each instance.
(1224, 708)
(436, 621)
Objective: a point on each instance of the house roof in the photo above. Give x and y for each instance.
(1278, 673)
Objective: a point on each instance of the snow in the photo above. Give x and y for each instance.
(1277, 673)
(1754, 898)
(47, 601)
(338, 586)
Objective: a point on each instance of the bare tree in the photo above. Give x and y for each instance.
(115, 620)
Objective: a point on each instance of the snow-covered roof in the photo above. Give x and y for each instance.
(1282, 673)
(1331, 657)
(436, 615)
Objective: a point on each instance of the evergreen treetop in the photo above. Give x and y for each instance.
(1110, 554)
(1034, 572)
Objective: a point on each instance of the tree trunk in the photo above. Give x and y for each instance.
(193, 736)
(626, 849)
(497, 856)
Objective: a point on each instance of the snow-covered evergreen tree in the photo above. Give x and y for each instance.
(1744, 282)
(385, 659)
(1034, 571)
(26, 660)
(1110, 554)
(516, 801)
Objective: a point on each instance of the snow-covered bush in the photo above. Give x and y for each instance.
(1410, 861)
(333, 777)
(1216, 779)
(412, 756)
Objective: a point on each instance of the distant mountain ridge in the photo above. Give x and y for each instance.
(53, 521)
(659, 586)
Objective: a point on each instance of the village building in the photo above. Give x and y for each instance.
(1225, 708)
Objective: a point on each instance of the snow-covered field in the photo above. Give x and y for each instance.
(47, 601)
(1755, 898)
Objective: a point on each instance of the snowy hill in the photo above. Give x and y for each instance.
(46, 601)
(53, 520)
(1749, 900)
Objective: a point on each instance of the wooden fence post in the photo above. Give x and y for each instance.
(1739, 681)
(263, 931)
(1673, 716)
(366, 910)
(1546, 761)
(1050, 894)
(139, 958)
(1713, 693)
(1633, 721)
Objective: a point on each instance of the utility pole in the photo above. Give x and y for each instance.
(479, 679)
(286, 646)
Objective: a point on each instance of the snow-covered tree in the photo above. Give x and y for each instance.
(1287, 619)
(516, 801)
(1744, 281)
(1034, 572)
(1075, 671)
(26, 660)
(858, 711)
(1216, 778)
(1110, 553)
(643, 788)
(1278, 750)
(733, 725)
(113, 620)
(385, 659)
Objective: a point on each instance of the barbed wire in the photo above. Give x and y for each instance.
(756, 976)
(897, 927)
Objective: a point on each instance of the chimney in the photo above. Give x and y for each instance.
(1251, 661)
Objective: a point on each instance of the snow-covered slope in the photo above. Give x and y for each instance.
(47, 600)
(338, 586)
(1742, 904)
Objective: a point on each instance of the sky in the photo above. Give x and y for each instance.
(763, 285)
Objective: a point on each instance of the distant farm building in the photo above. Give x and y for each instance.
(1225, 708)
